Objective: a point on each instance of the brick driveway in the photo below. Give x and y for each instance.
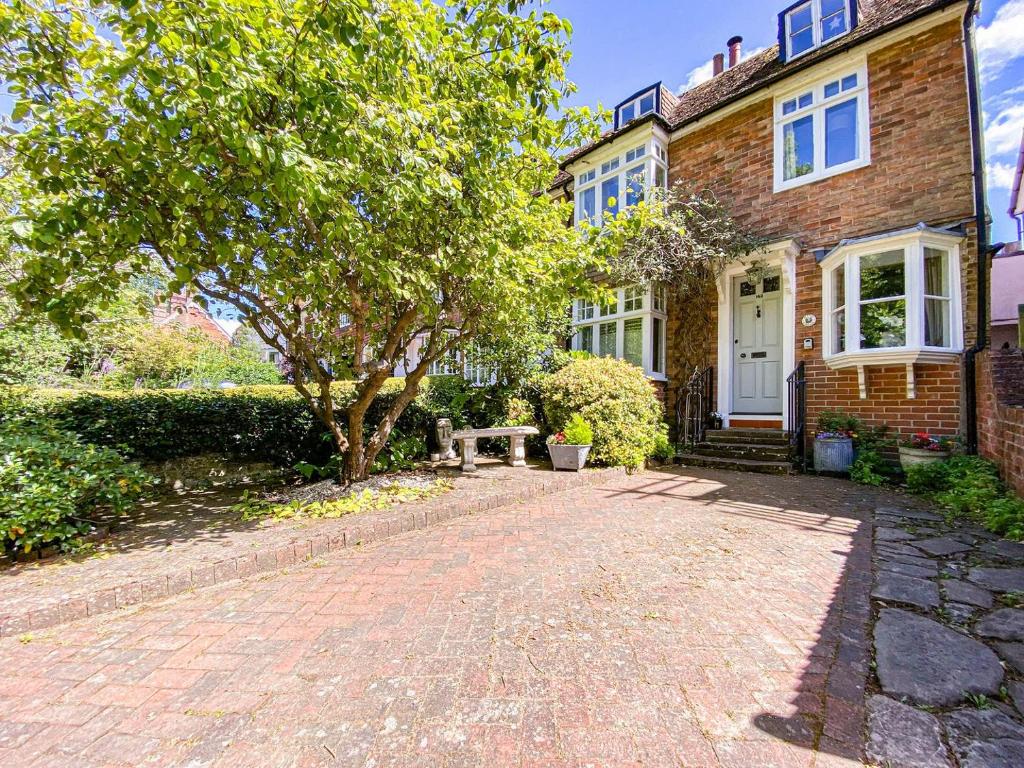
(673, 618)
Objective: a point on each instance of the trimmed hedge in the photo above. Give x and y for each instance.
(268, 423)
(615, 399)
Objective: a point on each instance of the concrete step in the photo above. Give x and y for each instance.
(757, 451)
(748, 436)
(737, 465)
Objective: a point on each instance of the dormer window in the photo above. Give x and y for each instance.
(811, 23)
(638, 105)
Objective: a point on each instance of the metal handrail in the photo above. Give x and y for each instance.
(693, 411)
(796, 385)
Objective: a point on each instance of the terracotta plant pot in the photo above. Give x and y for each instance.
(833, 454)
(910, 457)
(568, 457)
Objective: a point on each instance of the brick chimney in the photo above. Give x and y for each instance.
(718, 64)
(735, 50)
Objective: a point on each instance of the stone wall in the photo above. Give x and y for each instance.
(1000, 378)
(920, 172)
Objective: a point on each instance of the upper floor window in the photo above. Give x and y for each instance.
(812, 23)
(640, 105)
(822, 130)
(887, 299)
(619, 182)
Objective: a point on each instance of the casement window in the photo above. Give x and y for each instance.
(812, 23)
(822, 130)
(893, 299)
(631, 328)
(637, 106)
(619, 182)
(477, 372)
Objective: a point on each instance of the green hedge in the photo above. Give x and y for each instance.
(267, 423)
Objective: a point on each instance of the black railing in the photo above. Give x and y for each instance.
(796, 385)
(694, 407)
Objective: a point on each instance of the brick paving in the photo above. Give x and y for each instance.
(671, 618)
(192, 539)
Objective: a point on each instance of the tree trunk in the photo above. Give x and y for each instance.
(355, 467)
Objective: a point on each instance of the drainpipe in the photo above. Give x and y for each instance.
(981, 225)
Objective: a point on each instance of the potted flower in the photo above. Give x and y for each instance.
(569, 447)
(714, 421)
(923, 448)
(833, 442)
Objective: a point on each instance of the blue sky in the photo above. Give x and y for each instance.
(619, 47)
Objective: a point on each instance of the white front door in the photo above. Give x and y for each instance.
(757, 345)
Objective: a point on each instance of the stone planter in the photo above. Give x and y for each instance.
(833, 454)
(568, 457)
(912, 456)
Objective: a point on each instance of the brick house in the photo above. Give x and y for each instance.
(853, 147)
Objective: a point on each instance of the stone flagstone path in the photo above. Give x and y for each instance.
(949, 645)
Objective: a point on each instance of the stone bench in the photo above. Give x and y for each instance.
(466, 438)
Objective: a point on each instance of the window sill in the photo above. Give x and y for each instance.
(811, 178)
(904, 356)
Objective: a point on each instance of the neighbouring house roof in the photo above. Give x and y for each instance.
(875, 17)
(1017, 196)
(228, 326)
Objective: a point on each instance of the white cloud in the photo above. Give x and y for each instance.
(706, 71)
(1002, 41)
(1003, 132)
(1000, 175)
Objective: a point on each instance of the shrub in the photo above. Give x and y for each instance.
(869, 468)
(51, 483)
(663, 448)
(265, 423)
(615, 399)
(969, 486)
(576, 432)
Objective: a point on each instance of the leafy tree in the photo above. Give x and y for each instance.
(361, 164)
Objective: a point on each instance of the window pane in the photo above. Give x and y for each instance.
(633, 299)
(647, 104)
(841, 133)
(610, 195)
(838, 331)
(936, 322)
(633, 341)
(881, 275)
(588, 204)
(833, 18)
(627, 113)
(798, 148)
(839, 287)
(883, 324)
(610, 309)
(936, 272)
(587, 339)
(801, 30)
(660, 180)
(789, 107)
(607, 340)
(850, 81)
(806, 100)
(634, 185)
(657, 364)
(831, 89)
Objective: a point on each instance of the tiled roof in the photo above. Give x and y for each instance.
(765, 68)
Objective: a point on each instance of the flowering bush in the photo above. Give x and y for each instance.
(836, 425)
(576, 432)
(925, 442)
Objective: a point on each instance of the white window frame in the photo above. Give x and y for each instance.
(650, 154)
(646, 314)
(635, 103)
(815, 27)
(913, 244)
(817, 110)
(477, 373)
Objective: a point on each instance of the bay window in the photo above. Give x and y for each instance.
(619, 182)
(810, 24)
(822, 130)
(631, 328)
(893, 299)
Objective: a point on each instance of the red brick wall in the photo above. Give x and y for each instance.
(920, 171)
(1000, 379)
